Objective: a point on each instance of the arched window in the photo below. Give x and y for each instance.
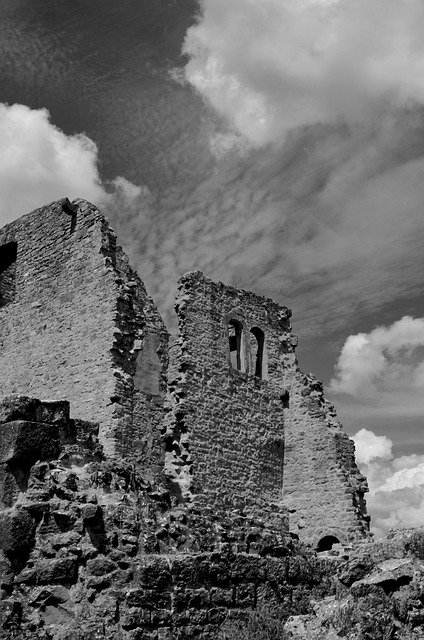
(326, 543)
(236, 345)
(257, 351)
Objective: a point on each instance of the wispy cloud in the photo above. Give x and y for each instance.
(321, 207)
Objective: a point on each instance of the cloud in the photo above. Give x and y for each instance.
(384, 368)
(268, 67)
(39, 163)
(329, 223)
(396, 498)
(372, 447)
(311, 190)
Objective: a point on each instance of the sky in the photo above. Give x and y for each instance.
(277, 145)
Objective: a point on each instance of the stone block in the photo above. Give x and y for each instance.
(190, 598)
(215, 570)
(248, 569)
(9, 487)
(57, 571)
(27, 442)
(6, 571)
(134, 617)
(148, 598)
(18, 408)
(89, 511)
(185, 570)
(245, 595)
(53, 412)
(154, 572)
(222, 597)
(101, 566)
(16, 530)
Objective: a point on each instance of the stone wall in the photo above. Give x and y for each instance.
(73, 320)
(271, 441)
(225, 438)
(243, 429)
(323, 488)
(90, 550)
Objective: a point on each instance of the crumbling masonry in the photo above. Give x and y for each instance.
(213, 440)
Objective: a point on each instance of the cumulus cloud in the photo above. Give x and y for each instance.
(39, 163)
(396, 497)
(369, 447)
(271, 66)
(385, 366)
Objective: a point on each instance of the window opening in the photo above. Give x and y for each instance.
(326, 543)
(8, 253)
(257, 351)
(285, 398)
(235, 340)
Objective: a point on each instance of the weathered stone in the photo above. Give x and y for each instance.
(18, 407)
(16, 530)
(63, 570)
(26, 442)
(42, 595)
(6, 571)
(390, 575)
(65, 539)
(89, 511)
(168, 511)
(78, 329)
(100, 566)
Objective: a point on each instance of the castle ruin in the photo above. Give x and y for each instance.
(217, 420)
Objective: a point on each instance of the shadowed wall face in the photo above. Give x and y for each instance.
(73, 318)
(226, 425)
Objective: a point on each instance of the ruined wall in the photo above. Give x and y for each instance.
(225, 439)
(226, 426)
(73, 320)
(88, 550)
(76, 323)
(323, 488)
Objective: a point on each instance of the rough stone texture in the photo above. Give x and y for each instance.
(232, 435)
(225, 439)
(323, 488)
(156, 508)
(76, 323)
(73, 323)
(91, 550)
